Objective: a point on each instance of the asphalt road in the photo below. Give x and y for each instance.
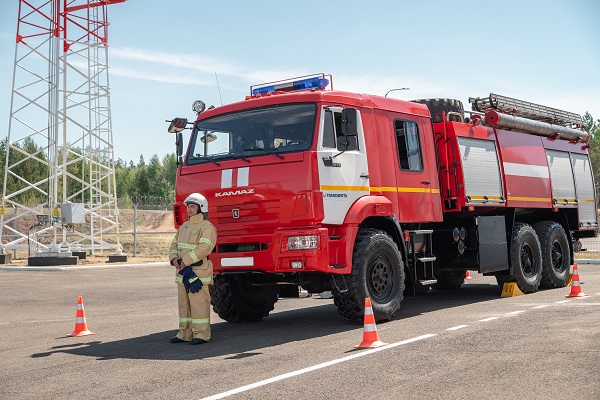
(443, 345)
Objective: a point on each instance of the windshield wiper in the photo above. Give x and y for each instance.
(266, 151)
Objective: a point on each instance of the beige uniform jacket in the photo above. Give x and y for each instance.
(193, 242)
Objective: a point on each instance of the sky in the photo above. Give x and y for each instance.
(163, 55)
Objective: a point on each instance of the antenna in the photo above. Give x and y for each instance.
(218, 87)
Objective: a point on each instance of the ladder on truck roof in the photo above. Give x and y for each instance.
(526, 109)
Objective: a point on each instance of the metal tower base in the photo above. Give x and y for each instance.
(51, 260)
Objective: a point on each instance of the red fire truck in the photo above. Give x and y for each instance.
(369, 196)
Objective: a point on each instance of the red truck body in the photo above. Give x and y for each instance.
(321, 178)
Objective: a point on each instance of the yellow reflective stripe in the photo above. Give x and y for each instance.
(185, 320)
(206, 280)
(376, 189)
(537, 199)
(194, 279)
(200, 320)
(194, 257)
(207, 241)
(179, 279)
(175, 252)
(186, 246)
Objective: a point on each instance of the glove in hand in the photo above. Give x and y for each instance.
(194, 284)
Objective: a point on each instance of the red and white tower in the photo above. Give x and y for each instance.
(59, 169)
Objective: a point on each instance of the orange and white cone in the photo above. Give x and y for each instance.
(81, 328)
(575, 287)
(370, 336)
(468, 276)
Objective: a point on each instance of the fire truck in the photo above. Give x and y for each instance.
(370, 196)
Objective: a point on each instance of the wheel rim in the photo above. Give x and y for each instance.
(380, 278)
(527, 260)
(557, 256)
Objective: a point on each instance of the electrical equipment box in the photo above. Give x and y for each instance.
(72, 213)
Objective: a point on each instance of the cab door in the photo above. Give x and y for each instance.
(416, 176)
(343, 176)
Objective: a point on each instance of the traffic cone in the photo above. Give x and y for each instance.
(81, 328)
(468, 276)
(575, 288)
(370, 336)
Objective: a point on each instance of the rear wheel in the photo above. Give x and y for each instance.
(556, 255)
(526, 258)
(377, 273)
(237, 301)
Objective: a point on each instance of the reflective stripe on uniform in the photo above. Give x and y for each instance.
(194, 257)
(201, 321)
(194, 279)
(174, 252)
(207, 241)
(185, 320)
(209, 279)
(186, 246)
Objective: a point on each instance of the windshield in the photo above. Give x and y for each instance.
(270, 130)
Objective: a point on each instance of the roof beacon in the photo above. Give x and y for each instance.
(308, 82)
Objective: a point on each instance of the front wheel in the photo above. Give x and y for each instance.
(237, 301)
(377, 273)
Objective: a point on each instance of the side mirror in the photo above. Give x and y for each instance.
(349, 121)
(347, 143)
(179, 147)
(177, 125)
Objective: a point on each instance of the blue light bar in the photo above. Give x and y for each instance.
(302, 84)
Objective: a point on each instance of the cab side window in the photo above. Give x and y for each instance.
(328, 130)
(409, 145)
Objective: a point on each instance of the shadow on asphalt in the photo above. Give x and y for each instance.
(235, 341)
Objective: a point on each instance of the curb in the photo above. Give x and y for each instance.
(100, 266)
(587, 261)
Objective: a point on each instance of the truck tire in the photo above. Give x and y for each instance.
(449, 280)
(236, 301)
(437, 106)
(377, 273)
(526, 258)
(556, 255)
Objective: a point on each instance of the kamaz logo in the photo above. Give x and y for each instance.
(235, 193)
(337, 195)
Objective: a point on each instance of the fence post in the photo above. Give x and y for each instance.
(135, 205)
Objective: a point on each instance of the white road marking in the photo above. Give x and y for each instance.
(515, 312)
(314, 368)
(562, 301)
(455, 328)
(542, 306)
(488, 319)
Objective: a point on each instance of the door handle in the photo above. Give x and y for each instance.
(426, 182)
(364, 176)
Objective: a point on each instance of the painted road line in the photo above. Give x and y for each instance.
(515, 312)
(562, 301)
(542, 306)
(488, 319)
(455, 328)
(314, 368)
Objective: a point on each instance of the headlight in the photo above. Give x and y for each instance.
(302, 242)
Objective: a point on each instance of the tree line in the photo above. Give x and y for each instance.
(147, 183)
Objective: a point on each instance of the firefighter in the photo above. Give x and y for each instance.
(188, 253)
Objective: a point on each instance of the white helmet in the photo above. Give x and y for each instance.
(199, 200)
